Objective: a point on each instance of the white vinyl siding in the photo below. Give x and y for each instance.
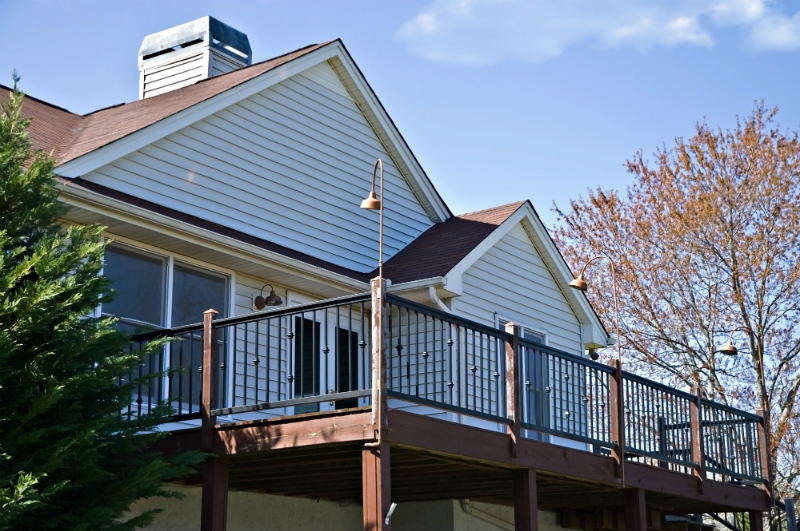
(185, 70)
(289, 165)
(512, 280)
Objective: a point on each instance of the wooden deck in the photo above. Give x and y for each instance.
(322, 456)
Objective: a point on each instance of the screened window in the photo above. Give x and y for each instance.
(139, 280)
(147, 284)
(195, 291)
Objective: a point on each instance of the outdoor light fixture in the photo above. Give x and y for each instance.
(373, 203)
(273, 299)
(580, 284)
(730, 349)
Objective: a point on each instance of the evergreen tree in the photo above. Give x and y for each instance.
(68, 458)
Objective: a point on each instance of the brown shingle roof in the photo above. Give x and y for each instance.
(50, 125)
(440, 248)
(70, 135)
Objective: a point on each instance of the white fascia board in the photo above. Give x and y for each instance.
(592, 328)
(410, 167)
(423, 283)
(147, 135)
(141, 217)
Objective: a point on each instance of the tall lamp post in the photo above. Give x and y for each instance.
(373, 203)
(580, 284)
(378, 392)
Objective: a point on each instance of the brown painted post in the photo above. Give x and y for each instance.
(376, 486)
(526, 503)
(617, 417)
(661, 424)
(698, 452)
(380, 418)
(513, 398)
(210, 378)
(635, 510)
(214, 510)
(756, 521)
(763, 448)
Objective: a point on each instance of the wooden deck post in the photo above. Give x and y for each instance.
(617, 417)
(214, 510)
(513, 398)
(380, 418)
(756, 521)
(526, 503)
(376, 486)
(210, 380)
(763, 447)
(635, 510)
(698, 452)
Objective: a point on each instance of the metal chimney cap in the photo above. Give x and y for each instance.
(207, 30)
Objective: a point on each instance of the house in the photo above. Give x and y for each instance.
(454, 394)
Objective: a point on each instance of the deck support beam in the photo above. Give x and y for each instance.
(526, 503)
(376, 486)
(756, 521)
(214, 511)
(635, 510)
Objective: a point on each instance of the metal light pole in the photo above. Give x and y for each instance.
(373, 203)
(581, 285)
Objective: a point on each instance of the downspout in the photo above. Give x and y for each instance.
(486, 517)
(435, 298)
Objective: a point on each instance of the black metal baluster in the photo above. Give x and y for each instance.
(268, 324)
(336, 353)
(425, 355)
(350, 386)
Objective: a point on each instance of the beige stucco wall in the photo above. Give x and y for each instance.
(257, 512)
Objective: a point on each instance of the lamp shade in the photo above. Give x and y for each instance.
(729, 349)
(372, 202)
(273, 299)
(579, 284)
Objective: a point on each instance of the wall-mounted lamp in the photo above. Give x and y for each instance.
(273, 299)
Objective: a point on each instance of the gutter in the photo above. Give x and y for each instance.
(486, 517)
(418, 285)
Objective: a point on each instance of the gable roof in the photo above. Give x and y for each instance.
(74, 135)
(440, 248)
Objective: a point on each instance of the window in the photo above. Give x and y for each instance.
(147, 284)
(139, 280)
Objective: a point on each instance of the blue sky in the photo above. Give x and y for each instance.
(500, 100)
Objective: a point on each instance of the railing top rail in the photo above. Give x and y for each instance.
(167, 332)
(291, 310)
(659, 386)
(453, 319)
(729, 409)
(572, 357)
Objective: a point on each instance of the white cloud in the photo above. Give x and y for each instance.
(777, 32)
(481, 32)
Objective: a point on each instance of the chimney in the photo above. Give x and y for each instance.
(188, 53)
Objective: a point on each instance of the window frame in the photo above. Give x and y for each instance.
(171, 257)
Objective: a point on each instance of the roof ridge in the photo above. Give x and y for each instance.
(516, 204)
(34, 98)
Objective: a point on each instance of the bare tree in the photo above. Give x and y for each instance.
(706, 241)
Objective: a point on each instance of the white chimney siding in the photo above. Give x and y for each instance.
(188, 53)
